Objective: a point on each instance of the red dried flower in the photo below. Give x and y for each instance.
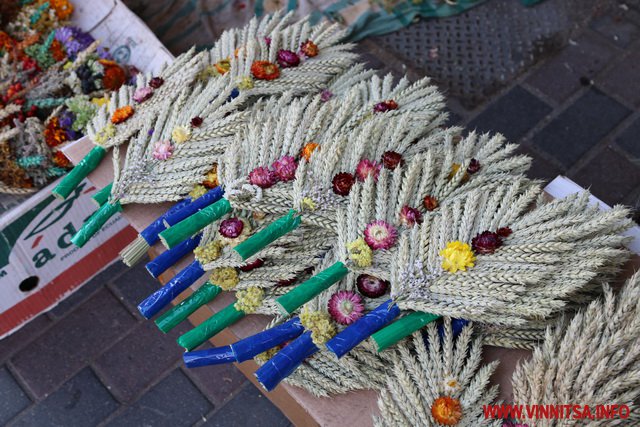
(113, 76)
(309, 48)
(196, 122)
(474, 166)
(371, 286)
(486, 243)
(504, 232)
(265, 70)
(231, 228)
(156, 82)
(391, 159)
(410, 216)
(430, 203)
(342, 183)
(384, 106)
(259, 262)
(54, 135)
(59, 159)
(263, 177)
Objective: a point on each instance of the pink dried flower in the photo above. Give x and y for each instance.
(410, 216)
(380, 234)
(231, 228)
(287, 58)
(285, 168)
(384, 106)
(162, 150)
(486, 243)
(326, 95)
(368, 168)
(371, 286)
(263, 177)
(142, 94)
(156, 82)
(345, 307)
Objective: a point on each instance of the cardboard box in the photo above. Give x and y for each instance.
(39, 266)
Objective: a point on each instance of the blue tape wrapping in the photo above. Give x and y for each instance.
(150, 234)
(162, 262)
(286, 361)
(210, 356)
(251, 346)
(363, 328)
(163, 296)
(203, 201)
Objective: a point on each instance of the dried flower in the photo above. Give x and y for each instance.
(446, 411)
(211, 178)
(345, 307)
(326, 95)
(265, 70)
(342, 183)
(208, 253)
(63, 8)
(360, 253)
(450, 384)
(231, 228)
(504, 231)
(265, 356)
(287, 58)
(308, 149)
(54, 134)
(142, 94)
(156, 82)
(430, 203)
(245, 83)
(257, 263)
(113, 76)
(196, 122)
(285, 168)
(309, 49)
(180, 134)
(320, 325)
(104, 134)
(380, 234)
(384, 106)
(225, 277)
(454, 170)
(122, 114)
(162, 150)
(249, 300)
(223, 66)
(308, 204)
(367, 168)
(474, 166)
(410, 216)
(263, 177)
(371, 286)
(391, 159)
(197, 191)
(457, 256)
(60, 160)
(486, 242)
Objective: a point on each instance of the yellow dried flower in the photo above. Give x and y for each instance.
(99, 101)
(180, 134)
(320, 324)
(211, 178)
(308, 204)
(454, 170)
(245, 83)
(266, 355)
(360, 253)
(198, 191)
(250, 299)
(457, 256)
(208, 253)
(104, 134)
(225, 277)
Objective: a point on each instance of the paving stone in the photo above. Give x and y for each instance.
(622, 80)
(218, 382)
(73, 341)
(12, 398)
(560, 76)
(540, 168)
(249, 408)
(79, 296)
(609, 175)
(173, 402)
(629, 139)
(136, 284)
(581, 126)
(82, 401)
(138, 360)
(23, 336)
(513, 115)
(616, 29)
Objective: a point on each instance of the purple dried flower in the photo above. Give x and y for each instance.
(231, 228)
(74, 40)
(288, 58)
(326, 95)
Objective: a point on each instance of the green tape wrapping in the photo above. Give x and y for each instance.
(205, 294)
(210, 327)
(102, 196)
(402, 328)
(271, 233)
(79, 172)
(306, 291)
(196, 222)
(95, 223)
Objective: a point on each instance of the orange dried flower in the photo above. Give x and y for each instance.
(309, 48)
(430, 203)
(59, 159)
(54, 135)
(308, 149)
(114, 76)
(122, 114)
(211, 180)
(6, 42)
(56, 51)
(265, 70)
(223, 66)
(446, 411)
(63, 8)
